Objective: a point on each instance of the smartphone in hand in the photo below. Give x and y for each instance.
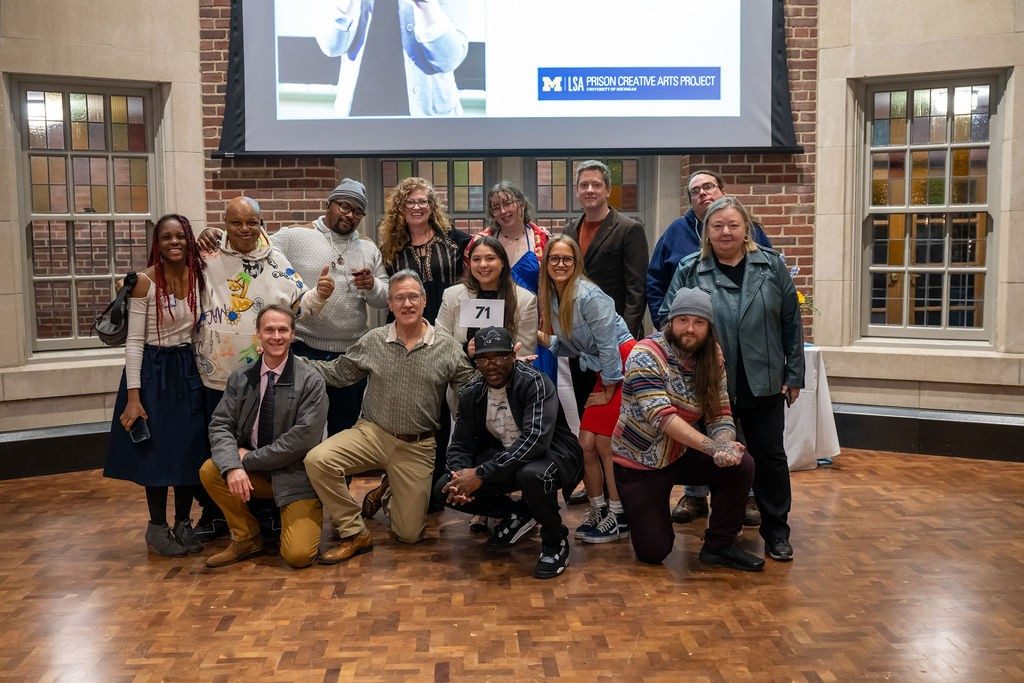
(139, 431)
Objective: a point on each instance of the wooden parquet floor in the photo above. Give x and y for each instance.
(907, 568)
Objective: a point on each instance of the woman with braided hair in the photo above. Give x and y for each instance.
(161, 386)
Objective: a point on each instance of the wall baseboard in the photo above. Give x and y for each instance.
(39, 452)
(963, 435)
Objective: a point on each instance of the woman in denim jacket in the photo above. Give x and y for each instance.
(580, 322)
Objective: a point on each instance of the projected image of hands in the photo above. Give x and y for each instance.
(379, 58)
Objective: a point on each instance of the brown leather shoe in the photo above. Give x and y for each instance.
(236, 551)
(690, 508)
(353, 545)
(751, 514)
(373, 500)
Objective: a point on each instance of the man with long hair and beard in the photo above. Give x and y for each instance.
(674, 379)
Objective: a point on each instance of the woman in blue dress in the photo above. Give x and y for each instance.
(161, 386)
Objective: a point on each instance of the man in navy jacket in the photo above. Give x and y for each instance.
(682, 237)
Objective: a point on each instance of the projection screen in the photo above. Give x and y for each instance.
(382, 77)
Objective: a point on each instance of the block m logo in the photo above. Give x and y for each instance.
(551, 84)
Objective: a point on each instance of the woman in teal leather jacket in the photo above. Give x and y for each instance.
(757, 318)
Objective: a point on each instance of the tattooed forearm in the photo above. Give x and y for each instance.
(725, 435)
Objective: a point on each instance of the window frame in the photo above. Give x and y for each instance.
(989, 210)
(558, 219)
(491, 170)
(19, 107)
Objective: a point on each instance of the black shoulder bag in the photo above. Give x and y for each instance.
(111, 325)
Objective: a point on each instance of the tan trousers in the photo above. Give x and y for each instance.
(300, 520)
(367, 447)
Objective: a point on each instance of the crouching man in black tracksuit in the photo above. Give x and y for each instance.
(511, 435)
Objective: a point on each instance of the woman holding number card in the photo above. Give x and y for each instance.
(524, 242)
(158, 433)
(580, 321)
(489, 278)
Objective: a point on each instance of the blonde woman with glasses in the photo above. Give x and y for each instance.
(580, 322)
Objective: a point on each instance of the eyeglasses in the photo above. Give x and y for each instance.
(416, 203)
(350, 209)
(492, 360)
(567, 260)
(402, 298)
(504, 206)
(706, 187)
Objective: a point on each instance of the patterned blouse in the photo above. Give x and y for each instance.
(438, 263)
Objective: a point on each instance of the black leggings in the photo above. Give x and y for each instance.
(763, 428)
(156, 498)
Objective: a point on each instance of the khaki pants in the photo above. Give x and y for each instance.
(367, 447)
(300, 520)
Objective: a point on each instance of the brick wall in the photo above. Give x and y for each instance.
(778, 189)
(289, 189)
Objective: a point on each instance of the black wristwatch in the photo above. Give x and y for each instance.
(480, 472)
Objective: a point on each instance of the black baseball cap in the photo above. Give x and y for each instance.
(493, 340)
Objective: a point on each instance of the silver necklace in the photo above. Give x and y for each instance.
(339, 260)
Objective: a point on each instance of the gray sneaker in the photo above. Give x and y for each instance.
(161, 541)
(186, 536)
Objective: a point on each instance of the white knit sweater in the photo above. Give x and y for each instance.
(343, 319)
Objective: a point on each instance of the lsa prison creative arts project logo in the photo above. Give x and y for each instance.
(629, 83)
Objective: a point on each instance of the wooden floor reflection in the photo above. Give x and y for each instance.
(907, 568)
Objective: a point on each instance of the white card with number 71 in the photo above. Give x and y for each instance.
(482, 313)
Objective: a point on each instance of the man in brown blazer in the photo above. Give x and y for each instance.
(614, 246)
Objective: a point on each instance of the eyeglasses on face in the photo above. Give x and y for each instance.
(706, 187)
(416, 203)
(503, 206)
(350, 209)
(402, 298)
(567, 260)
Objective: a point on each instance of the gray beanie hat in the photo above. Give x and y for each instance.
(691, 302)
(352, 190)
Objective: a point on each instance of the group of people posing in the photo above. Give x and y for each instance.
(251, 358)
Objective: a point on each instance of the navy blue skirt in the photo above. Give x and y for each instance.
(172, 394)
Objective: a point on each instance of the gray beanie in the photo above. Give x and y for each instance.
(351, 190)
(691, 302)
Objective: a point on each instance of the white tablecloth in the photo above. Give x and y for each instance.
(810, 427)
